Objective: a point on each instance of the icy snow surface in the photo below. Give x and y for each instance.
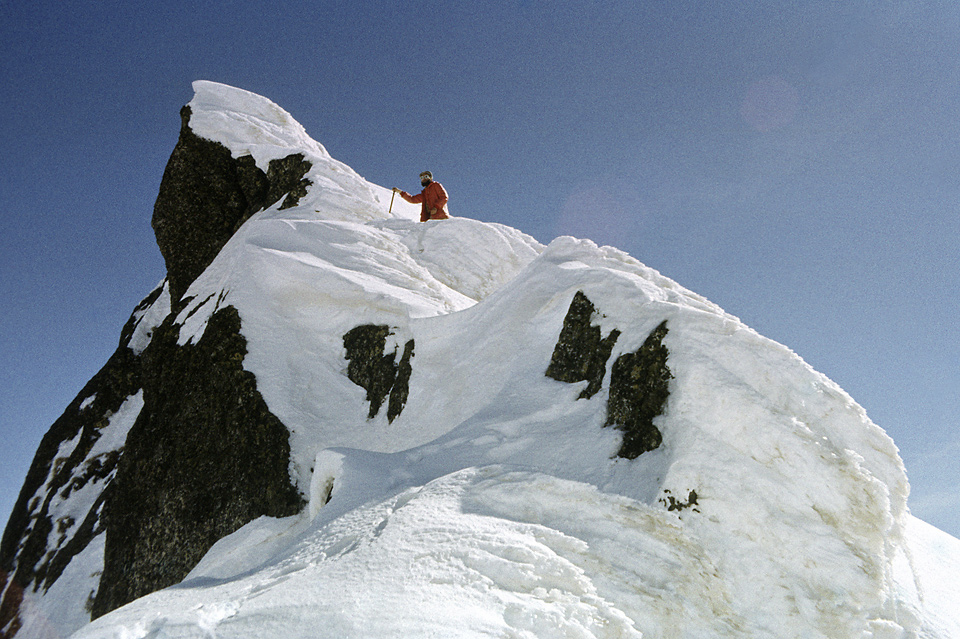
(494, 504)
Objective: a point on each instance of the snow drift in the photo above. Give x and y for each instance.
(495, 503)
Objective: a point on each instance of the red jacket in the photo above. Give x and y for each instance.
(433, 197)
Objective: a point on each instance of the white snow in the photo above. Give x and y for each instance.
(147, 320)
(59, 611)
(494, 504)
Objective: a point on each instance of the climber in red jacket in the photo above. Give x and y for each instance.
(433, 198)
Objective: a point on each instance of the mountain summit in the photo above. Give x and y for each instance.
(334, 421)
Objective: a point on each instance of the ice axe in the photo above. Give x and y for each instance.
(390, 210)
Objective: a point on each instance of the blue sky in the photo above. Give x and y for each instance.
(797, 163)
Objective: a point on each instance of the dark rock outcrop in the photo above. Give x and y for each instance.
(401, 387)
(581, 353)
(638, 381)
(677, 505)
(639, 387)
(285, 180)
(206, 194)
(36, 547)
(377, 372)
(205, 457)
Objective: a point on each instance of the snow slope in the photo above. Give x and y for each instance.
(495, 505)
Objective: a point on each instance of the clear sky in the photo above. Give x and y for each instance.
(798, 163)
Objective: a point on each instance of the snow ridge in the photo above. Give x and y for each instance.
(495, 505)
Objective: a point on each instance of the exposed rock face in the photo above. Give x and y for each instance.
(639, 387)
(378, 372)
(401, 387)
(38, 543)
(675, 505)
(205, 457)
(581, 353)
(206, 194)
(639, 382)
(285, 180)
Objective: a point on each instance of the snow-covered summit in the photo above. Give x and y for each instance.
(495, 502)
(249, 124)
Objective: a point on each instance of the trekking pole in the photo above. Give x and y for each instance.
(390, 210)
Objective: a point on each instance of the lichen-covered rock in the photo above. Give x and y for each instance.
(199, 456)
(639, 387)
(204, 454)
(676, 505)
(38, 543)
(285, 178)
(204, 457)
(638, 381)
(377, 372)
(206, 194)
(401, 387)
(581, 352)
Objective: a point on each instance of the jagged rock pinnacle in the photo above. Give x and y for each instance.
(206, 194)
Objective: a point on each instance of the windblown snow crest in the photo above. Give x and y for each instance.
(573, 445)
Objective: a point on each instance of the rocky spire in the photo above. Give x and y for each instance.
(206, 194)
(159, 509)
